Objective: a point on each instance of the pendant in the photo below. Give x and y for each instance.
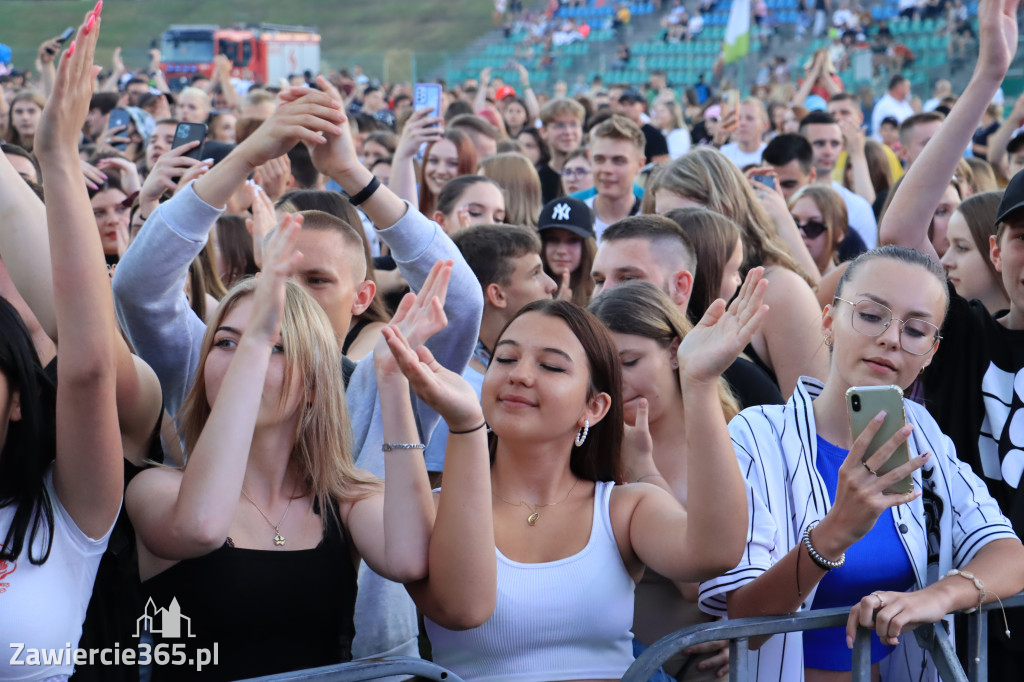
(279, 540)
(532, 518)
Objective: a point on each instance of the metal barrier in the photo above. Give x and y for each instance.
(932, 637)
(366, 669)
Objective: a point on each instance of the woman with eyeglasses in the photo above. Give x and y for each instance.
(820, 215)
(577, 175)
(824, 532)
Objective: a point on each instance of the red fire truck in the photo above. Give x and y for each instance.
(263, 53)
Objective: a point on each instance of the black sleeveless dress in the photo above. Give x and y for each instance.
(267, 612)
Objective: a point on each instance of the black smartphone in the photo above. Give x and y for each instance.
(187, 132)
(68, 32)
(766, 180)
(120, 119)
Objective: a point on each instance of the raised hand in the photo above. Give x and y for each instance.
(422, 127)
(164, 176)
(336, 157)
(564, 290)
(425, 316)
(262, 221)
(638, 445)
(305, 115)
(65, 111)
(722, 334)
(279, 258)
(997, 37)
(446, 392)
(130, 181)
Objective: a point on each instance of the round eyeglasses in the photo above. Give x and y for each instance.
(871, 318)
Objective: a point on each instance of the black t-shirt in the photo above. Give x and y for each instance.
(550, 183)
(752, 385)
(974, 389)
(656, 143)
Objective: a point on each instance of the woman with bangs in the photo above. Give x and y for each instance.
(648, 328)
(269, 494)
(787, 345)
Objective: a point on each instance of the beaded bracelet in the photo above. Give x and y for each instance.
(822, 563)
(388, 447)
(981, 600)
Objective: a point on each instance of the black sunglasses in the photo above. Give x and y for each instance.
(812, 228)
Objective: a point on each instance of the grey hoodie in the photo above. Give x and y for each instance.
(150, 301)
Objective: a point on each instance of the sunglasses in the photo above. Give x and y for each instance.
(812, 229)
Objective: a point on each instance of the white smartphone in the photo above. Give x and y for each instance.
(427, 96)
(864, 403)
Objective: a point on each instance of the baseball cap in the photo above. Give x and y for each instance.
(567, 213)
(631, 95)
(1013, 197)
(504, 91)
(1016, 141)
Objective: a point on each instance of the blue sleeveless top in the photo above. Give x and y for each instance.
(878, 561)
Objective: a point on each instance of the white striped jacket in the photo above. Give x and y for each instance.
(776, 446)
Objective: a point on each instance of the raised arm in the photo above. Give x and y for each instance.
(222, 77)
(420, 129)
(182, 514)
(906, 221)
(1001, 137)
(529, 96)
(855, 139)
(88, 474)
(716, 525)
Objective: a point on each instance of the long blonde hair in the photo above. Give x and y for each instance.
(518, 178)
(706, 176)
(322, 448)
(639, 308)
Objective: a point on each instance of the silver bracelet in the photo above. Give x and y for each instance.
(822, 563)
(388, 447)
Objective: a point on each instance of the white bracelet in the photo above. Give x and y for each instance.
(388, 447)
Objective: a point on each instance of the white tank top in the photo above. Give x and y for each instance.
(561, 620)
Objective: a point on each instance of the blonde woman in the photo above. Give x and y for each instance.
(269, 495)
(788, 344)
(516, 175)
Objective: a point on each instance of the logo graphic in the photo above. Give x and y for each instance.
(1001, 441)
(167, 622)
(6, 568)
(561, 212)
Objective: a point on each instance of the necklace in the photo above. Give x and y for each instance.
(534, 514)
(278, 538)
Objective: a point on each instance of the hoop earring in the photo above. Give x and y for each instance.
(828, 340)
(581, 437)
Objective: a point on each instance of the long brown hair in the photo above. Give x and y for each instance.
(24, 96)
(639, 308)
(599, 458)
(979, 212)
(467, 166)
(322, 448)
(580, 280)
(713, 238)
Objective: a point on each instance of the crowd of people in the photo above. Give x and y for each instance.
(522, 384)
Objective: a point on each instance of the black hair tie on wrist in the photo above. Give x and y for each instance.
(365, 193)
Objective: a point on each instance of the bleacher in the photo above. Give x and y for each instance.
(685, 61)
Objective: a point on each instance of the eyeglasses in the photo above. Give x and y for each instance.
(575, 172)
(812, 228)
(871, 318)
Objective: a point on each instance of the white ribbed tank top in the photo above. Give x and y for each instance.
(561, 620)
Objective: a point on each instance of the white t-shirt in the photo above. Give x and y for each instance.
(859, 215)
(43, 607)
(889, 106)
(741, 158)
(678, 142)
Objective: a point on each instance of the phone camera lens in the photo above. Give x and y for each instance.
(855, 402)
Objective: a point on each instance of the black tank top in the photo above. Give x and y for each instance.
(268, 612)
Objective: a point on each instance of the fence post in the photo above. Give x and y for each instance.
(977, 646)
(861, 671)
(934, 639)
(739, 661)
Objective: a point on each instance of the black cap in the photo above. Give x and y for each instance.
(631, 95)
(1016, 142)
(567, 213)
(1013, 197)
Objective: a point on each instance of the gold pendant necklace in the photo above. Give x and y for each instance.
(278, 538)
(531, 520)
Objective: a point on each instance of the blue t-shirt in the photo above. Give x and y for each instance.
(878, 561)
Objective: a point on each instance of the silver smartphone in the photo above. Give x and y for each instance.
(863, 404)
(427, 96)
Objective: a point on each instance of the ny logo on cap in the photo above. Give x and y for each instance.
(561, 212)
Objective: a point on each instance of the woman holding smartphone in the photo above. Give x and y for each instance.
(825, 533)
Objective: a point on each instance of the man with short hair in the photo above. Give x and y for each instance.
(893, 103)
(915, 131)
(506, 262)
(616, 157)
(482, 134)
(160, 141)
(845, 107)
(193, 106)
(633, 105)
(791, 157)
(136, 88)
(655, 249)
(562, 130)
(751, 125)
(375, 106)
(100, 106)
(826, 140)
